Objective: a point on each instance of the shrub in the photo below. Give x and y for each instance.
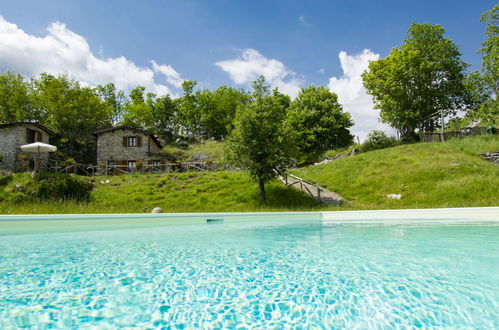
(61, 187)
(377, 140)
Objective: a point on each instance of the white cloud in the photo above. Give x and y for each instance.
(352, 94)
(251, 64)
(172, 76)
(63, 51)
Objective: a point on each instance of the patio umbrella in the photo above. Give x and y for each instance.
(38, 147)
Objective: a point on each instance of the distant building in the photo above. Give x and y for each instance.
(124, 148)
(13, 136)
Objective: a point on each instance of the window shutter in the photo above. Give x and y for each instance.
(125, 141)
(39, 137)
(139, 141)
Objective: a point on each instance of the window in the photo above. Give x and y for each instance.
(156, 165)
(132, 141)
(33, 136)
(132, 165)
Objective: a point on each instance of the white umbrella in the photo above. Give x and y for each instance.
(38, 147)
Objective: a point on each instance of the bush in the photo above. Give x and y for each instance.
(61, 187)
(377, 140)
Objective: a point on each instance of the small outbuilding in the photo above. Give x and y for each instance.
(13, 136)
(125, 149)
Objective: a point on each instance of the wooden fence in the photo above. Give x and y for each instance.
(438, 137)
(55, 166)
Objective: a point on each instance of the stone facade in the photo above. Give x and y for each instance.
(491, 157)
(13, 136)
(121, 146)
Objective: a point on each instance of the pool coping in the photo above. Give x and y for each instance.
(490, 213)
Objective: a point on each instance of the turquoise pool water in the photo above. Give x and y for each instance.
(253, 274)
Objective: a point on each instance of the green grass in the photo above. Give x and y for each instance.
(211, 151)
(428, 175)
(182, 192)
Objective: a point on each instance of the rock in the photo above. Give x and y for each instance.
(157, 210)
(394, 196)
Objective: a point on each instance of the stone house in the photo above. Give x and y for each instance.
(130, 149)
(13, 136)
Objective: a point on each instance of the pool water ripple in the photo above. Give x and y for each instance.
(262, 275)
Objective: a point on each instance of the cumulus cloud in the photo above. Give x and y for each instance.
(63, 51)
(251, 64)
(352, 94)
(172, 76)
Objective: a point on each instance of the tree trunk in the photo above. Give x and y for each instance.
(261, 184)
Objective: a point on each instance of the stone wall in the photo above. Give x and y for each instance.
(110, 147)
(491, 157)
(11, 140)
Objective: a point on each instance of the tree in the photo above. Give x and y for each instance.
(74, 112)
(318, 123)
(218, 109)
(71, 110)
(115, 100)
(423, 76)
(189, 112)
(17, 99)
(257, 142)
(488, 110)
(490, 49)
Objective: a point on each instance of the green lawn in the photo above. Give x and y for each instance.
(182, 192)
(427, 175)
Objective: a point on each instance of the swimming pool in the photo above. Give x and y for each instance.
(425, 268)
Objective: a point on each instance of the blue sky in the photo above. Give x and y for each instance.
(293, 43)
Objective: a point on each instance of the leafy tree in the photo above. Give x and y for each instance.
(488, 110)
(138, 112)
(71, 110)
(257, 142)
(218, 109)
(115, 100)
(164, 115)
(17, 100)
(423, 76)
(74, 112)
(189, 112)
(490, 49)
(318, 123)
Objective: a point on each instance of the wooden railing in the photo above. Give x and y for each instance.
(439, 137)
(311, 188)
(55, 166)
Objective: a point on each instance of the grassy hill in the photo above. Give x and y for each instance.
(427, 175)
(180, 192)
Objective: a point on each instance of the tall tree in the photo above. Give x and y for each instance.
(490, 49)
(71, 110)
(218, 109)
(189, 110)
(423, 76)
(488, 111)
(257, 142)
(318, 122)
(115, 100)
(17, 99)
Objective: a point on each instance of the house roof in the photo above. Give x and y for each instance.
(22, 123)
(136, 130)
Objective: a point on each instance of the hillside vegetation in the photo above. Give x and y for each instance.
(427, 175)
(179, 192)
